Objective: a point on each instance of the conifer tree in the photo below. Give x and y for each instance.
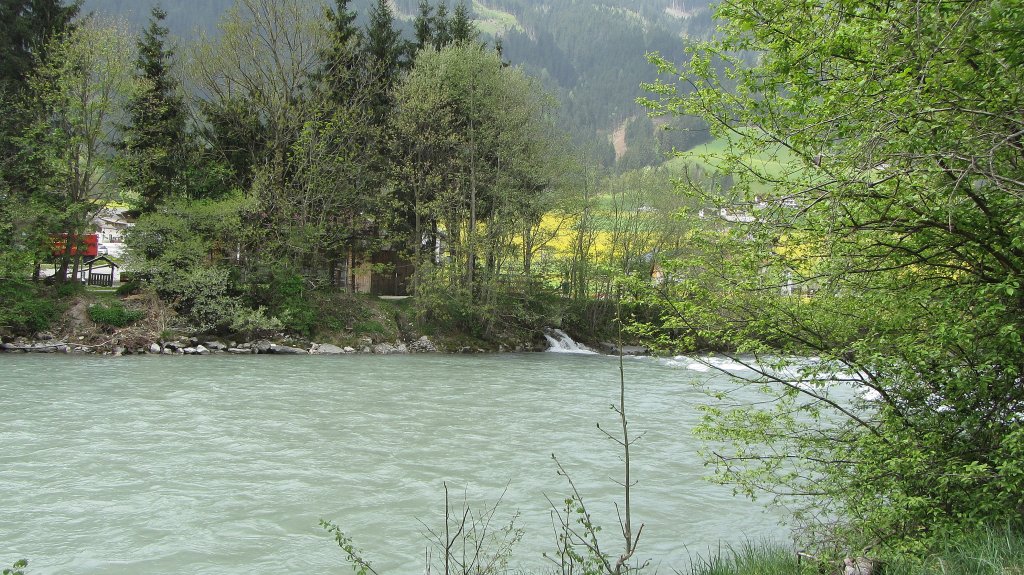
(442, 26)
(339, 76)
(385, 51)
(423, 25)
(154, 139)
(462, 27)
(27, 29)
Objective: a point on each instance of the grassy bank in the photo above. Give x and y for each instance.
(992, 551)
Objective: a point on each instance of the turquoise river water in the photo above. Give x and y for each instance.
(224, 465)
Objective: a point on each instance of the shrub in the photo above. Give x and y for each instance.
(254, 323)
(16, 569)
(115, 314)
(24, 308)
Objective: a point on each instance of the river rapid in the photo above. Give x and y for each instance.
(224, 465)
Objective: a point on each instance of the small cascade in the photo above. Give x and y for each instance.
(560, 342)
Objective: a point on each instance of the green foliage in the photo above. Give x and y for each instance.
(16, 569)
(360, 566)
(154, 140)
(982, 551)
(753, 559)
(26, 308)
(254, 323)
(182, 250)
(115, 314)
(892, 196)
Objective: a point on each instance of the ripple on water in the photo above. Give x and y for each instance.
(225, 465)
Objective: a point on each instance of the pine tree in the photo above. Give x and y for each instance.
(442, 26)
(154, 139)
(385, 52)
(463, 29)
(423, 25)
(339, 76)
(26, 28)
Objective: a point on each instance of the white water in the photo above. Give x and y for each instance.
(560, 342)
(224, 465)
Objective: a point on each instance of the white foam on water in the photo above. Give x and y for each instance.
(560, 342)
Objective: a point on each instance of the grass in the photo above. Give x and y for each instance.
(492, 21)
(992, 551)
(769, 162)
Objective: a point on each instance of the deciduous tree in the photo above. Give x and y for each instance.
(877, 154)
(81, 90)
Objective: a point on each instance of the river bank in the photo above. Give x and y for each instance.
(106, 323)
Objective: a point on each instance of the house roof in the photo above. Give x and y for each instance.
(93, 261)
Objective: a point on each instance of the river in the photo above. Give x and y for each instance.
(224, 465)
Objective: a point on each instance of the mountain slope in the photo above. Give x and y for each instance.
(590, 53)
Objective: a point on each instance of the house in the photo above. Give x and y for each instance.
(382, 272)
(111, 223)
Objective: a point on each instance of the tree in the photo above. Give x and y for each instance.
(81, 90)
(480, 156)
(255, 80)
(462, 27)
(876, 152)
(442, 26)
(385, 51)
(341, 73)
(423, 25)
(153, 150)
(26, 30)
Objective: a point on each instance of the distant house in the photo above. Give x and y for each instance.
(382, 273)
(111, 224)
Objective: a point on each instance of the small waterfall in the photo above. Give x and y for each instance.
(560, 342)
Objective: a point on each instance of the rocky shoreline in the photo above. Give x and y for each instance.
(48, 343)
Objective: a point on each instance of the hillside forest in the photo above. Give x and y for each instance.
(842, 216)
(595, 77)
(298, 154)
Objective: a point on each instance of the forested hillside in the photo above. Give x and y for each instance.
(589, 54)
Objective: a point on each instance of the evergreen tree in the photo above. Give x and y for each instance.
(154, 139)
(462, 28)
(423, 25)
(26, 27)
(442, 26)
(340, 73)
(385, 51)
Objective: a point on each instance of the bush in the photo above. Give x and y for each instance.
(16, 569)
(25, 308)
(115, 314)
(254, 323)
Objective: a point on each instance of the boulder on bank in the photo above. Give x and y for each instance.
(262, 346)
(423, 345)
(390, 349)
(286, 350)
(326, 349)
